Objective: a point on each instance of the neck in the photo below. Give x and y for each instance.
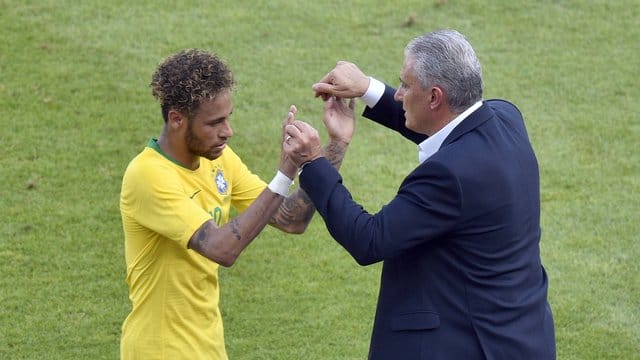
(178, 152)
(443, 119)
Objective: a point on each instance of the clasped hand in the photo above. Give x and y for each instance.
(301, 142)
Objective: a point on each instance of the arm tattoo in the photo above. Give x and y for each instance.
(334, 152)
(200, 237)
(297, 207)
(235, 229)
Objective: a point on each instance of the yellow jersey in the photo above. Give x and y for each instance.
(174, 291)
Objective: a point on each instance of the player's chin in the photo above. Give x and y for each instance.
(212, 154)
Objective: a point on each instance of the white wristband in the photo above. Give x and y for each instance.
(280, 184)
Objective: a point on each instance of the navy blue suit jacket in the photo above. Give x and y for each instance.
(461, 276)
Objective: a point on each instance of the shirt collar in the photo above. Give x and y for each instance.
(432, 144)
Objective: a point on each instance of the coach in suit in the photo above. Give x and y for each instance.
(462, 276)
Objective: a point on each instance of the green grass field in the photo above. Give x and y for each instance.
(75, 107)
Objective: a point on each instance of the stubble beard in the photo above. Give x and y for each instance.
(196, 146)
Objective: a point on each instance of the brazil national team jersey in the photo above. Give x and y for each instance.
(174, 291)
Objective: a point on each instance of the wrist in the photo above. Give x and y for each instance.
(280, 184)
(365, 84)
(288, 168)
(340, 141)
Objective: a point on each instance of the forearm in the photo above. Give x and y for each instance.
(294, 214)
(347, 221)
(296, 211)
(334, 151)
(224, 244)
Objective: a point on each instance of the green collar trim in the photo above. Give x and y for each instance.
(153, 143)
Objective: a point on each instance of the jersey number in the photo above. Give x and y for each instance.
(216, 214)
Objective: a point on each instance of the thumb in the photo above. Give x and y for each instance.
(288, 120)
(324, 88)
(291, 116)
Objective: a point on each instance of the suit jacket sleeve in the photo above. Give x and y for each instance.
(427, 205)
(389, 113)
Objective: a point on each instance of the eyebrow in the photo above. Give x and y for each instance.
(221, 118)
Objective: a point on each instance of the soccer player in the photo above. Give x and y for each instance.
(175, 204)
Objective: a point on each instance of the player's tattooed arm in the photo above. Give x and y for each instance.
(295, 213)
(334, 152)
(224, 244)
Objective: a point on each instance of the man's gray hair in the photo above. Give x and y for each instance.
(445, 58)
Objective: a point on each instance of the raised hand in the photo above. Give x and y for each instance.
(339, 118)
(287, 167)
(302, 143)
(346, 80)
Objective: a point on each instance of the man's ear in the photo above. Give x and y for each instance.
(175, 119)
(437, 97)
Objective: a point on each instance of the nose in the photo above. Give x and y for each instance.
(227, 131)
(399, 94)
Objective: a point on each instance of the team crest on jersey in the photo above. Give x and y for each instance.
(221, 182)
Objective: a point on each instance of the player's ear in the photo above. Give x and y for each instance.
(175, 119)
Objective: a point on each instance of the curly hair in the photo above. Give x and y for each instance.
(185, 79)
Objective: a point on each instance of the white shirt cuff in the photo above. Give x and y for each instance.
(374, 92)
